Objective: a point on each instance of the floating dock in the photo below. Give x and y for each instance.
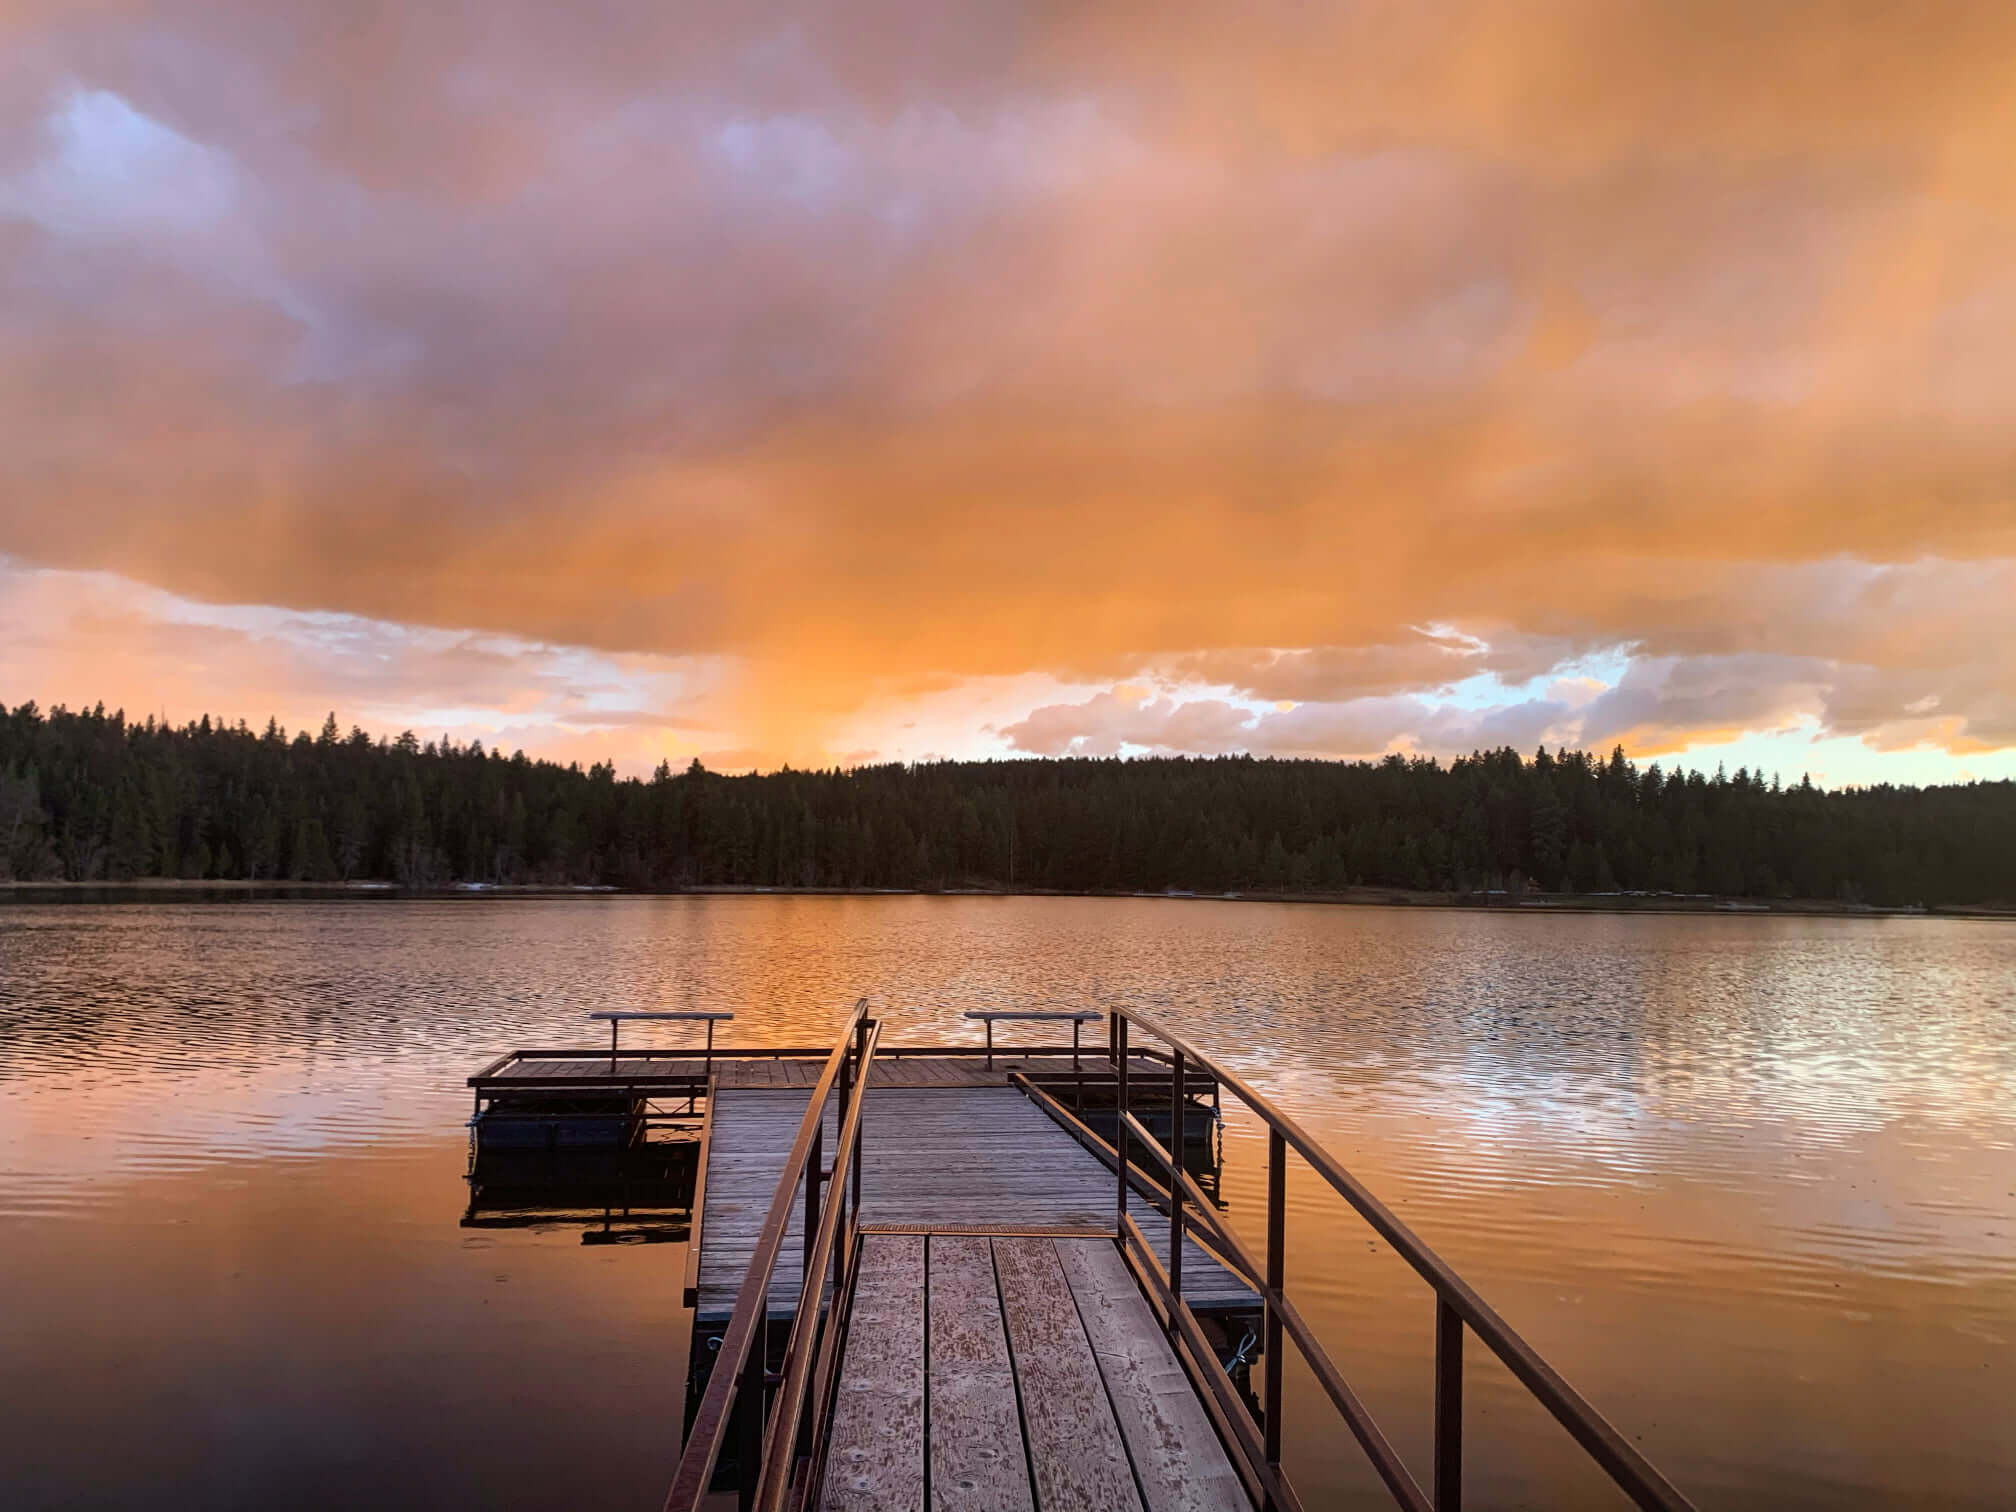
(970, 1279)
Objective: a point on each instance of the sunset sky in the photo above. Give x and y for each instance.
(879, 381)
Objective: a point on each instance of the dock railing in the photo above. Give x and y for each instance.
(619, 1017)
(1457, 1308)
(782, 1415)
(1076, 1018)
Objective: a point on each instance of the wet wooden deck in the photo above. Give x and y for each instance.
(933, 1157)
(1003, 1374)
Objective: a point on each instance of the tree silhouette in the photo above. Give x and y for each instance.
(87, 796)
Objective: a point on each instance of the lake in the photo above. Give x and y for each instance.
(1749, 1182)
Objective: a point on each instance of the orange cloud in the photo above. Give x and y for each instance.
(879, 354)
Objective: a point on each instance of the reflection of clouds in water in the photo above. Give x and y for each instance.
(1518, 1049)
(82, 1135)
(1839, 1024)
(1766, 1153)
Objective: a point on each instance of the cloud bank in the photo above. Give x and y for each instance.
(1342, 357)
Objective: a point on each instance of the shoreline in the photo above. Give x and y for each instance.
(166, 889)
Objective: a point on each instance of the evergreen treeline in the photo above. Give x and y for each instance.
(87, 796)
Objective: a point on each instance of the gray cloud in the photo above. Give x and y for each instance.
(1425, 660)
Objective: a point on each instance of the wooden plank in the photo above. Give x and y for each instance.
(751, 1134)
(1178, 1460)
(1075, 1449)
(977, 1459)
(875, 1458)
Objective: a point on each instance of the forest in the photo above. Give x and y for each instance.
(90, 796)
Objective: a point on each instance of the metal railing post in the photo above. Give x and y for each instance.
(1121, 1143)
(751, 1392)
(1277, 1285)
(813, 1173)
(1448, 1406)
(847, 1068)
(860, 1057)
(816, 1197)
(1175, 1178)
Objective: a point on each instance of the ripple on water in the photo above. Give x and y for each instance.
(1772, 1154)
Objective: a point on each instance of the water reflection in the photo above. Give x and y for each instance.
(639, 1195)
(1745, 1179)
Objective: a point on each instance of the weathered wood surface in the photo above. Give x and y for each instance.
(978, 1463)
(752, 1135)
(1045, 1384)
(951, 1157)
(875, 1454)
(1178, 1461)
(1075, 1451)
(739, 1069)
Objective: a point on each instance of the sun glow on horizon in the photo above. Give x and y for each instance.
(753, 386)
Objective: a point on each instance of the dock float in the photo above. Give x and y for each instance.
(976, 1279)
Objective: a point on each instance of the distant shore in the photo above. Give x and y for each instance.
(166, 889)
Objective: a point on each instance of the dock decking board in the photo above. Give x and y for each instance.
(1075, 1452)
(875, 1454)
(931, 1158)
(977, 1459)
(1028, 1357)
(1158, 1409)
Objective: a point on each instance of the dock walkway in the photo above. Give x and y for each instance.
(1002, 1335)
(976, 1366)
(971, 1157)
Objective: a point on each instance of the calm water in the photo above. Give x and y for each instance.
(1749, 1182)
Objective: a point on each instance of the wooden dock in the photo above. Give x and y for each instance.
(994, 1320)
(1004, 1374)
(934, 1157)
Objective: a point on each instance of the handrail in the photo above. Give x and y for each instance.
(787, 1413)
(681, 1016)
(617, 1018)
(1457, 1306)
(740, 1373)
(1078, 1018)
(1227, 1249)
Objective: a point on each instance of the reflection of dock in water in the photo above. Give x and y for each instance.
(639, 1195)
(981, 1277)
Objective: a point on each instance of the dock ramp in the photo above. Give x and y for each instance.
(971, 1324)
